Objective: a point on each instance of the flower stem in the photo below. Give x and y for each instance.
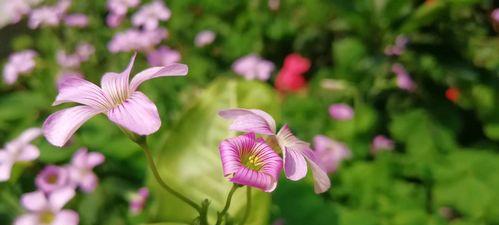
(248, 205)
(221, 214)
(143, 143)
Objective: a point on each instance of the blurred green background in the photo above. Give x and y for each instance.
(445, 166)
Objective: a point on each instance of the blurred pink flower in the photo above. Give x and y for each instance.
(48, 16)
(274, 4)
(404, 80)
(290, 77)
(46, 209)
(120, 7)
(399, 47)
(150, 14)
(82, 53)
(296, 153)
(253, 67)
(163, 56)
(114, 20)
(247, 160)
(18, 150)
(204, 38)
(330, 152)
(80, 169)
(76, 20)
(52, 178)
(381, 143)
(136, 40)
(19, 63)
(495, 15)
(138, 200)
(341, 111)
(117, 97)
(14, 10)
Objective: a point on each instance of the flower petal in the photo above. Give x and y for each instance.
(34, 201)
(28, 153)
(60, 197)
(286, 138)
(27, 219)
(94, 159)
(295, 166)
(89, 182)
(137, 114)
(174, 69)
(263, 181)
(5, 165)
(29, 135)
(61, 125)
(66, 217)
(321, 180)
(116, 85)
(73, 88)
(250, 120)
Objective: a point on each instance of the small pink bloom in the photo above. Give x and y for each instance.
(296, 153)
(48, 16)
(114, 20)
(120, 7)
(163, 56)
(290, 77)
(149, 15)
(136, 40)
(341, 111)
(67, 60)
(204, 38)
(18, 150)
(495, 15)
(117, 97)
(138, 200)
(247, 160)
(253, 67)
(46, 209)
(404, 80)
(330, 152)
(79, 20)
(19, 63)
(296, 63)
(274, 4)
(84, 51)
(399, 47)
(52, 178)
(381, 143)
(80, 169)
(14, 10)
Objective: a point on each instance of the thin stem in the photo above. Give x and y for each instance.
(227, 204)
(248, 205)
(165, 186)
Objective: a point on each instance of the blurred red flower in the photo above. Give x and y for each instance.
(452, 94)
(290, 77)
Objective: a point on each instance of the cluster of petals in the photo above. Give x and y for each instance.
(19, 63)
(398, 48)
(136, 40)
(117, 97)
(290, 77)
(12, 11)
(296, 154)
(48, 16)
(204, 38)
(138, 200)
(78, 20)
(253, 67)
(341, 111)
(382, 143)
(330, 152)
(149, 15)
(18, 150)
(118, 10)
(82, 53)
(163, 56)
(404, 80)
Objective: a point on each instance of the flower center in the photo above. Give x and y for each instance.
(52, 179)
(252, 162)
(46, 217)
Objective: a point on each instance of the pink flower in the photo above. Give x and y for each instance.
(149, 15)
(330, 152)
(52, 178)
(341, 111)
(138, 200)
(120, 7)
(253, 67)
(274, 4)
(136, 40)
(247, 160)
(76, 20)
(495, 15)
(67, 75)
(46, 209)
(399, 47)
(82, 53)
(18, 150)
(14, 10)
(118, 99)
(204, 38)
(380, 143)
(290, 77)
(48, 16)
(114, 20)
(404, 80)
(296, 153)
(19, 63)
(80, 169)
(163, 56)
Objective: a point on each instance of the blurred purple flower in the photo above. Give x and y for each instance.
(138, 200)
(19, 63)
(84, 51)
(330, 152)
(118, 99)
(76, 20)
(247, 160)
(399, 47)
(274, 4)
(149, 15)
(381, 143)
(48, 16)
(80, 169)
(253, 67)
(114, 20)
(66, 60)
(52, 178)
(204, 38)
(163, 56)
(14, 10)
(296, 153)
(404, 80)
(46, 209)
(18, 150)
(120, 7)
(495, 15)
(341, 111)
(134, 39)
